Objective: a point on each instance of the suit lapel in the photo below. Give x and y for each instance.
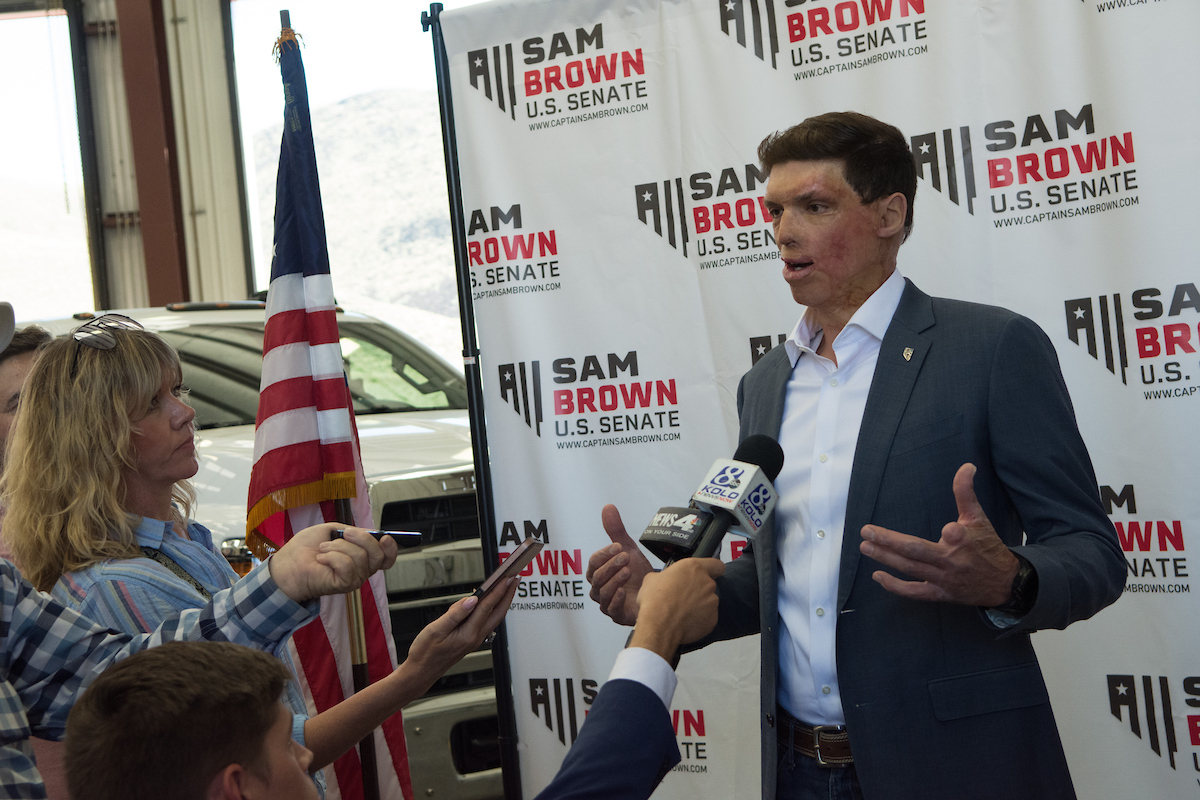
(901, 355)
(772, 395)
(775, 383)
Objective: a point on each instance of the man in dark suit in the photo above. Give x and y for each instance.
(925, 438)
(627, 744)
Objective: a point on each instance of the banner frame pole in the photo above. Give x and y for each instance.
(506, 713)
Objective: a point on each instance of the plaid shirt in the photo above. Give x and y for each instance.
(48, 654)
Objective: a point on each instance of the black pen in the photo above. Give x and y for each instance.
(402, 539)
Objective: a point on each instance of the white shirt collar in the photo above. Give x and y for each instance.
(872, 317)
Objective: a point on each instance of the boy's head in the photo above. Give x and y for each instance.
(187, 720)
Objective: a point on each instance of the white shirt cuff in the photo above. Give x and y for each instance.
(647, 668)
(1001, 619)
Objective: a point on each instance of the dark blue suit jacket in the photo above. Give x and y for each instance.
(938, 702)
(625, 747)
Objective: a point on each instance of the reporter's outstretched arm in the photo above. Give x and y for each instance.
(628, 744)
(677, 606)
(441, 645)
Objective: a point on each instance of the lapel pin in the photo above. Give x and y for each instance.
(908, 351)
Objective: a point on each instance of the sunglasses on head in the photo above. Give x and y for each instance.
(98, 334)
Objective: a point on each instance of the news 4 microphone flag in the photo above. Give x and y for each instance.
(306, 451)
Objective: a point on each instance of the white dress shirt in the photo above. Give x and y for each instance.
(647, 668)
(822, 413)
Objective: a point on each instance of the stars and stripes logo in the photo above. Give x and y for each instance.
(956, 159)
(516, 382)
(1103, 316)
(761, 345)
(752, 24)
(551, 697)
(662, 206)
(1123, 704)
(488, 68)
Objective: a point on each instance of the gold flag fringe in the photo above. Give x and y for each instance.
(260, 546)
(334, 486)
(286, 35)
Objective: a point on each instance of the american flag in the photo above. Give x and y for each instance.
(305, 444)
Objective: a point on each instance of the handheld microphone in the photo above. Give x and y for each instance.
(735, 494)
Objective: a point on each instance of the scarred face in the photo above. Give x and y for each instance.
(836, 250)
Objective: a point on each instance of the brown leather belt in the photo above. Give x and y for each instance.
(828, 744)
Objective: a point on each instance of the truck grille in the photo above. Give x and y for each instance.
(440, 520)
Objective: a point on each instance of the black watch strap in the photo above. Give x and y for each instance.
(1024, 590)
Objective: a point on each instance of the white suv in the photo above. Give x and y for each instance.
(410, 406)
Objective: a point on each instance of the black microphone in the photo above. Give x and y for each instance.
(736, 493)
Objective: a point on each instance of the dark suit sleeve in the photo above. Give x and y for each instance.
(1040, 458)
(624, 749)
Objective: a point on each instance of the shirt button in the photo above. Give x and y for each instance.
(823, 458)
(833, 381)
(825, 690)
(820, 612)
(820, 534)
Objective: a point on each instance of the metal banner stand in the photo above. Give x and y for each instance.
(505, 712)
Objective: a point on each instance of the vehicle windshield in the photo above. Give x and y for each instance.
(222, 368)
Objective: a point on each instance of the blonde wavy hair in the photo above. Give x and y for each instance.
(62, 485)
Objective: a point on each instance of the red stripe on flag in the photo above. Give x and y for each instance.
(300, 325)
(276, 529)
(320, 670)
(379, 664)
(300, 463)
(303, 392)
(285, 395)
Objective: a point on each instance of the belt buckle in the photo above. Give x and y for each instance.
(817, 731)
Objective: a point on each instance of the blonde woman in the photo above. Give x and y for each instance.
(99, 514)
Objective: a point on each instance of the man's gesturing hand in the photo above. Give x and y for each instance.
(616, 571)
(968, 565)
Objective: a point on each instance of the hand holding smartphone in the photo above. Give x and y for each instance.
(513, 565)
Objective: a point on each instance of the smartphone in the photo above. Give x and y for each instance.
(402, 539)
(512, 565)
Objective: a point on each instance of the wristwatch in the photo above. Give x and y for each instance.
(1024, 590)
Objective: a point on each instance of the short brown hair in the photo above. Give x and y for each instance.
(27, 340)
(876, 159)
(165, 721)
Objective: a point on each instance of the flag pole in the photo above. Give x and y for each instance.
(360, 670)
(359, 667)
(505, 711)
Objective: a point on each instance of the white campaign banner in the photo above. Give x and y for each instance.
(625, 276)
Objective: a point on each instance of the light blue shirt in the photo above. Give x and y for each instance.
(134, 595)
